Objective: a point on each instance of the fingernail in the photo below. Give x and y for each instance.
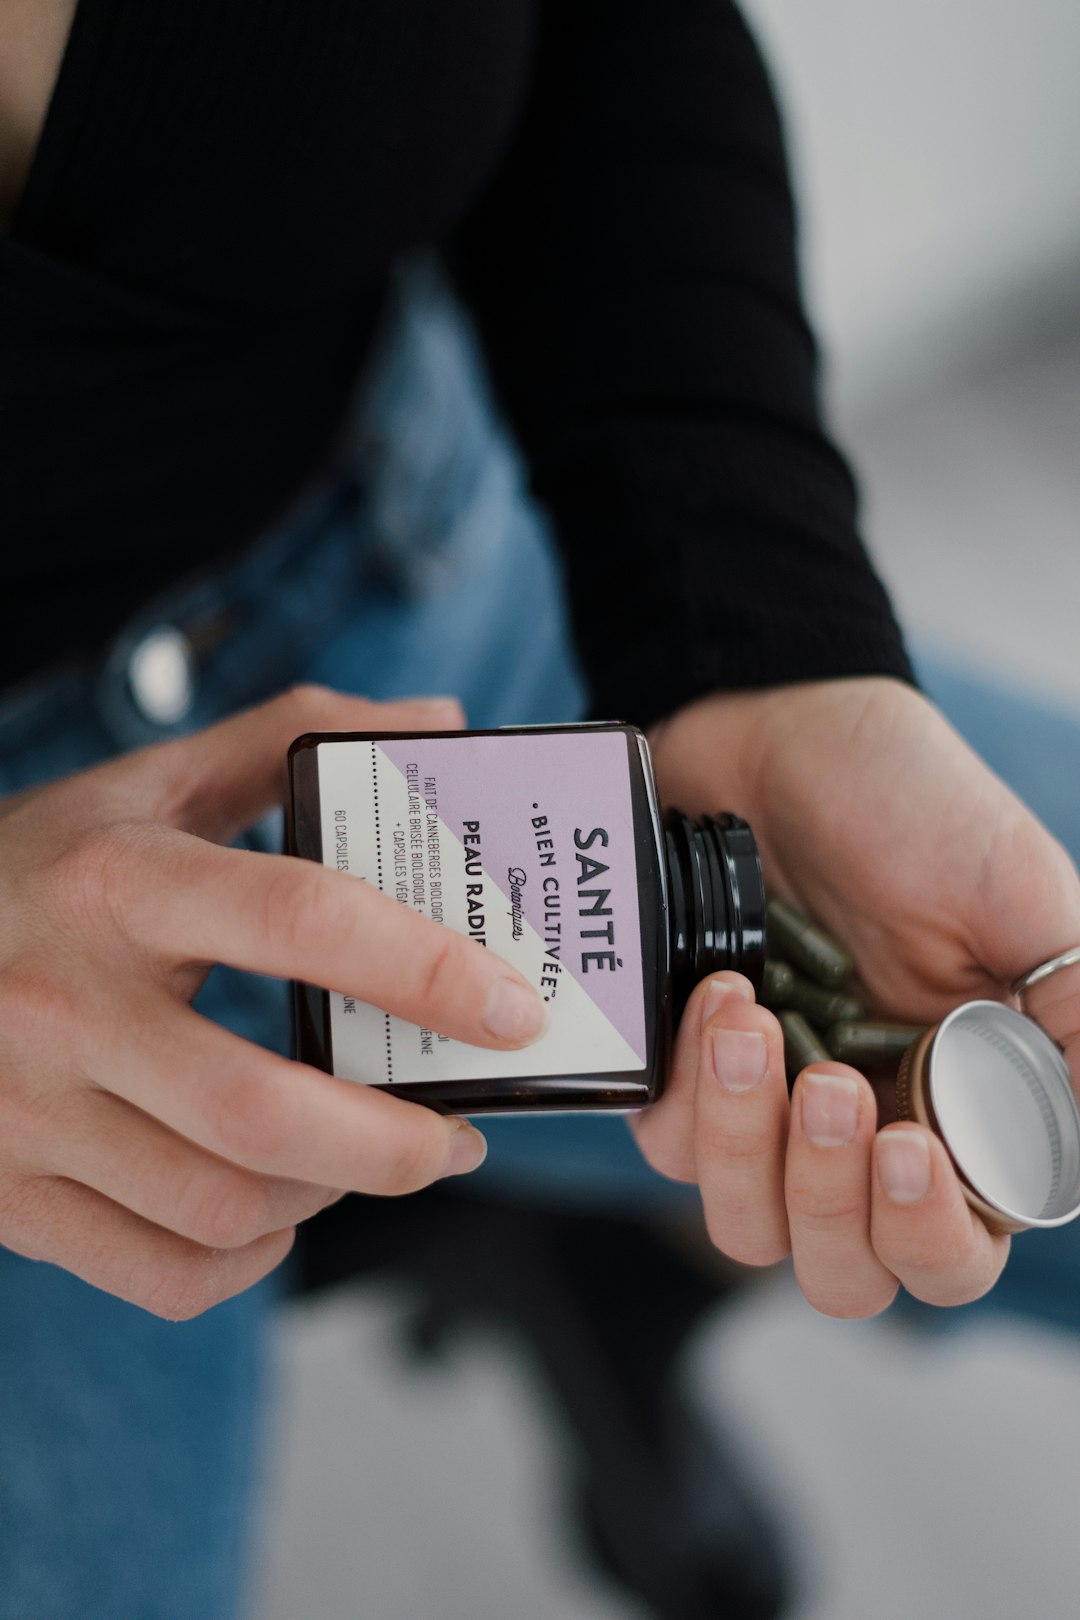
(830, 1107)
(739, 1058)
(468, 1150)
(717, 992)
(903, 1165)
(514, 1012)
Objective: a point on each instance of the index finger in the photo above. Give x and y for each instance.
(295, 919)
(1054, 1002)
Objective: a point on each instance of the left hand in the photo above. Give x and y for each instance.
(875, 818)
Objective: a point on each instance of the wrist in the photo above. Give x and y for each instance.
(725, 746)
(704, 752)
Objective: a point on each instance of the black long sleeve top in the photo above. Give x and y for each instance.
(195, 271)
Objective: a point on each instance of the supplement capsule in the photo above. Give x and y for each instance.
(823, 1007)
(801, 1043)
(777, 984)
(871, 1045)
(804, 944)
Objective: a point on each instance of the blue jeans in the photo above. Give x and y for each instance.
(128, 1444)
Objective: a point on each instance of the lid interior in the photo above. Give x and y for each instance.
(1004, 1101)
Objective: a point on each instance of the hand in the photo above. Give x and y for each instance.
(874, 817)
(142, 1147)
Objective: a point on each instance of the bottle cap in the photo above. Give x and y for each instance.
(717, 900)
(997, 1091)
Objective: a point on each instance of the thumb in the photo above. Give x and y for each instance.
(221, 780)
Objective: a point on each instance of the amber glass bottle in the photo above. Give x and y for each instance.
(547, 845)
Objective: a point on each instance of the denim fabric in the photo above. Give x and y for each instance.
(127, 1444)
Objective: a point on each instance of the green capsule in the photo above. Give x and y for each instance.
(803, 943)
(871, 1045)
(823, 1007)
(801, 1044)
(776, 984)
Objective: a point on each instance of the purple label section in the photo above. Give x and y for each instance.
(581, 782)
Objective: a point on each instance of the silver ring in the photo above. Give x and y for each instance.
(1045, 969)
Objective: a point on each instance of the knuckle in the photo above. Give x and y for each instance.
(444, 969)
(742, 1145)
(924, 1258)
(225, 1209)
(92, 876)
(819, 1205)
(23, 1200)
(31, 1007)
(26, 1126)
(284, 917)
(303, 903)
(253, 1123)
(95, 859)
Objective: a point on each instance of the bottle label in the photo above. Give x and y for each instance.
(524, 843)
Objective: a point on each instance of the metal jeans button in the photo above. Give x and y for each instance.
(161, 675)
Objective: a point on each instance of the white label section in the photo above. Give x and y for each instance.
(378, 827)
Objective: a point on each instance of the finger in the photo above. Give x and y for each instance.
(740, 1128)
(921, 1227)
(827, 1181)
(665, 1131)
(260, 1111)
(222, 779)
(72, 1226)
(140, 1164)
(296, 919)
(1055, 1004)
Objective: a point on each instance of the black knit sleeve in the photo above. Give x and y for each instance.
(632, 271)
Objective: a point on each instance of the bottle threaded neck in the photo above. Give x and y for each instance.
(716, 916)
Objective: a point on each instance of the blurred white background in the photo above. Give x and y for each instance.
(937, 148)
(937, 144)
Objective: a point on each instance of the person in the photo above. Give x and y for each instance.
(236, 459)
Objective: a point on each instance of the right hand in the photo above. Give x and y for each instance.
(142, 1147)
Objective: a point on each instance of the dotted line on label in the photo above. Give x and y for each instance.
(378, 833)
(378, 871)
